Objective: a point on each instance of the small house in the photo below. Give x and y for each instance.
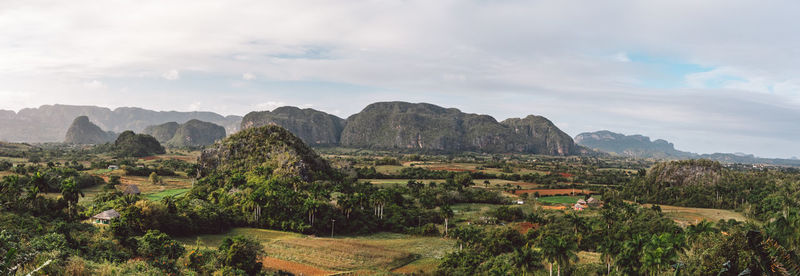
(105, 217)
(578, 207)
(520, 202)
(131, 190)
(582, 202)
(593, 202)
(113, 167)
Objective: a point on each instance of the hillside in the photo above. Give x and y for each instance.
(196, 133)
(84, 132)
(401, 125)
(163, 132)
(312, 126)
(270, 147)
(49, 123)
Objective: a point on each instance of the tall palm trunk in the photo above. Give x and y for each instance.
(551, 269)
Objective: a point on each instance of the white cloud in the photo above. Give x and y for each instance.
(94, 84)
(171, 75)
(248, 76)
(622, 57)
(270, 105)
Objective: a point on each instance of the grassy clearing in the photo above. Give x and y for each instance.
(383, 183)
(213, 241)
(373, 254)
(686, 215)
(159, 195)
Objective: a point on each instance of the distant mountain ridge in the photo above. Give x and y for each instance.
(49, 123)
(640, 146)
(192, 134)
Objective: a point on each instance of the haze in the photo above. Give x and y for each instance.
(710, 76)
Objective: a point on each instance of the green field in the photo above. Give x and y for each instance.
(560, 199)
(159, 195)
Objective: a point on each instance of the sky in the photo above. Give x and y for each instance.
(709, 76)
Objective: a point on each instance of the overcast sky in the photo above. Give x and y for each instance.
(709, 76)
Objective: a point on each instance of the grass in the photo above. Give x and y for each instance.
(685, 216)
(159, 195)
(560, 199)
(373, 254)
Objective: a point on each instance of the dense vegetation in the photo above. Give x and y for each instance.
(267, 178)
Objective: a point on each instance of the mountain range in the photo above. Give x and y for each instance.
(49, 123)
(639, 146)
(419, 127)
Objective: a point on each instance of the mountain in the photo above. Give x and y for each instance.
(422, 126)
(130, 144)
(196, 133)
(84, 132)
(639, 146)
(312, 126)
(163, 132)
(49, 123)
(192, 134)
(268, 148)
(630, 145)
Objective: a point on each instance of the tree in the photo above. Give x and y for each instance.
(159, 249)
(463, 179)
(155, 179)
(241, 253)
(661, 251)
(527, 259)
(446, 212)
(71, 193)
(113, 181)
(558, 249)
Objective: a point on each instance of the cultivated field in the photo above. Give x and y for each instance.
(552, 192)
(378, 253)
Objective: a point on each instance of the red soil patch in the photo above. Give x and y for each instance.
(523, 227)
(295, 268)
(567, 175)
(554, 207)
(551, 192)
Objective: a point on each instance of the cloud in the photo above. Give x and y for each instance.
(573, 63)
(94, 84)
(270, 105)
(171, 75)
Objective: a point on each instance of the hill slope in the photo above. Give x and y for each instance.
(163, 132)
(422, 126)
(269, 147)
(312, 126)
(84, 132)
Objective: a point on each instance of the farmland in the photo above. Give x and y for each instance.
(377, 253)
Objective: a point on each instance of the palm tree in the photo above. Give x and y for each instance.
(697, 230)
(559, 249)
(446, 212)
(578, 224)
(71, 193)
(527, 259)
